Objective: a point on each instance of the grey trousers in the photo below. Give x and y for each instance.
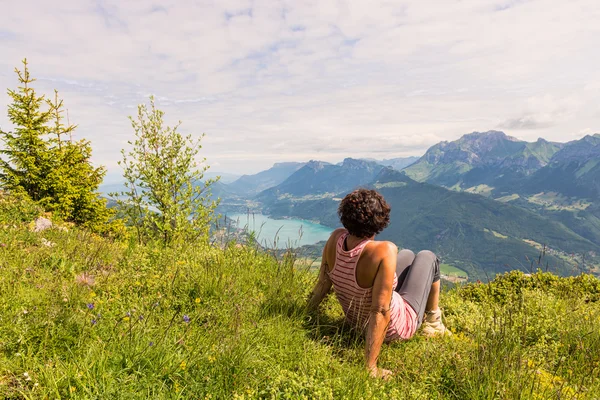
(415, 276)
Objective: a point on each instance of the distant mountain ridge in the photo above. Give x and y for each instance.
(477, 158)
(573, 171)
(248, 185)
(318, 177)
(397, 163)
(495, 164)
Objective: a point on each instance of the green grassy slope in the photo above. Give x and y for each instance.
(205, 322)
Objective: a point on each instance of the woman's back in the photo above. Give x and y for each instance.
(352, 270)
(368, 260)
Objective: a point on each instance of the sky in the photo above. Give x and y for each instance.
(272, 81)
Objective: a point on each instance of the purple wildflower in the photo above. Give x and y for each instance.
(94, 322)
(186, 319)
(90, 306)
(151, 344)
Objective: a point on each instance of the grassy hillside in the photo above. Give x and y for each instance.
(83, 317)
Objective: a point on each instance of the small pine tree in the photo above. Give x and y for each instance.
(40, 163)
(166, 199)
(27, 160)
(74, 181)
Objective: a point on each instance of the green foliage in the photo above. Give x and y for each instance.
(42, 164)
(17, 208)
(585, 287)
(166, 199)
(93, 318)
(74, 181)
(28, 160)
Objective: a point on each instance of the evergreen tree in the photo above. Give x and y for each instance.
(74, 181)
(26, 162)
(39, 162)
(166, 199)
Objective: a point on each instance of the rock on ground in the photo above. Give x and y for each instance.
(41, 224)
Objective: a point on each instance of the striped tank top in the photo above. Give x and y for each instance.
(356, 301)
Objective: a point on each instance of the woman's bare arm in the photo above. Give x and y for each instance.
(379, 317)
(323, 285)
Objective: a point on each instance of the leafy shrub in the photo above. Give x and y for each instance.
(510, 284)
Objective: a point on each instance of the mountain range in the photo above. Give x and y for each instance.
(248, 185)
(497, 165)
(486, 202)
(319, 178)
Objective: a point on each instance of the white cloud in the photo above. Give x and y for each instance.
(271, 80)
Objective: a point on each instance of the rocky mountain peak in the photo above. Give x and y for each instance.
(316, 164)
(287, 164)
(354, 163)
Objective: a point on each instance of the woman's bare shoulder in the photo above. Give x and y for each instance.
(384, 247)
(334, 237)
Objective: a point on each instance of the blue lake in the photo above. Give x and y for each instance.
(281, 233)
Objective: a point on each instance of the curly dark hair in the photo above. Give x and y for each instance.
(364, 213)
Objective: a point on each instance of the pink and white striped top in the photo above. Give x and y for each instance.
(356, 301)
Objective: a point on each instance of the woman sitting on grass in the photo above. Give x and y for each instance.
(385, 291)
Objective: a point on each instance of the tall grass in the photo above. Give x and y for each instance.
(84, 317)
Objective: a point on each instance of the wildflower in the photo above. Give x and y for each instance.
(2, 244)
(197, 300)
(85, 279)
(25, 311)
(183, 365)
(90, 306)
(125, 319)
(211, 359)
(151, 344)
(72, 389)
(186, 319)
(94, 322)
(26, 375)
(128, 314)
(141, 317)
